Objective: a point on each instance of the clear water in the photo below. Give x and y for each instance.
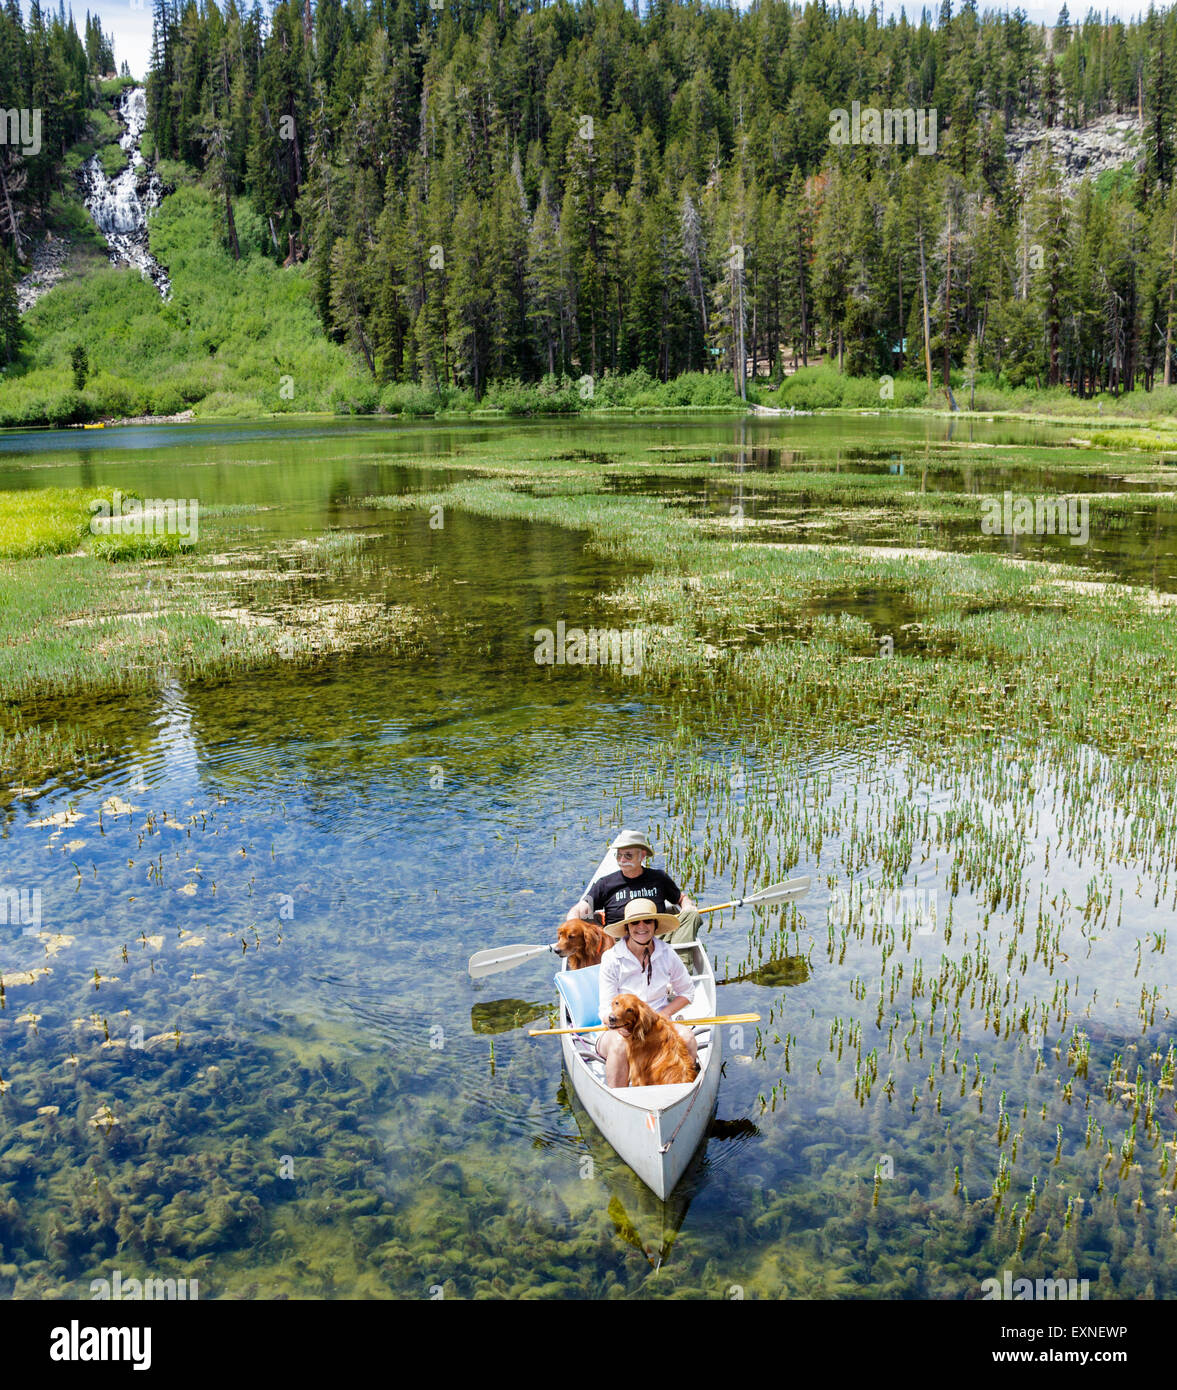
(310, 860)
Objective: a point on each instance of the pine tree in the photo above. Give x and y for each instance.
(11, 331)
(546, 284)
(471, 294)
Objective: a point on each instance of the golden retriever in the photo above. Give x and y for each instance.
(582, 943)
(658, 1056)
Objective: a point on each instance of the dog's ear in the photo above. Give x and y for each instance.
(641, 1025)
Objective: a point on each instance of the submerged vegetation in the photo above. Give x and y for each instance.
(994, 646)
(220, 1045)
(75, 625)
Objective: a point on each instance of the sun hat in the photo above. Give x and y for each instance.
(631, 837)
(643, 907)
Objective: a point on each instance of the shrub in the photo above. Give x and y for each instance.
(227, 405)
(699, 389)
(457, 399)
(111, 395)
(631, 389)
(348, 396)
(812, 388)
(166, 399)
(408, 398)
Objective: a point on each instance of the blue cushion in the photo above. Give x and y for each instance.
(578, 989)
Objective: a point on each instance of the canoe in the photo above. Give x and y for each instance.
(655, 1129)
(642, 1220)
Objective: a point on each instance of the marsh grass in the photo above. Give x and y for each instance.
(51, 521)
(1023, 650)
(971, 1054)
(44, 521)
(74, 624)
(1015, 753)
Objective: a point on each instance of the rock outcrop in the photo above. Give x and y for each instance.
(49, 265)
(1104, 143)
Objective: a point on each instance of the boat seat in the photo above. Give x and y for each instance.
(586, 1047)
(580, 990)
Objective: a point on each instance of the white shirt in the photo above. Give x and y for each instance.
(623, 973)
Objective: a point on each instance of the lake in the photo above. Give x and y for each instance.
(242, 1046)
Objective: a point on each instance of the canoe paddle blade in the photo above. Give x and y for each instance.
(782, 892)
(483, 963)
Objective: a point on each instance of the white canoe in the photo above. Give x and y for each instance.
(655, 1129)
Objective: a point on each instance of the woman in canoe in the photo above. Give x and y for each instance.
(635, 879)
(642, 964)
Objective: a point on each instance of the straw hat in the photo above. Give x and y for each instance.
(643, 907)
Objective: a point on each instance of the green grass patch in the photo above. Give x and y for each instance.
(46, 521)
(51, 521)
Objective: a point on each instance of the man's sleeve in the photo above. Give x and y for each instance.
(671, 889)
(596, 894)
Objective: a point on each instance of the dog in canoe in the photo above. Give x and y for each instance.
(582, 944)
(658, 1056)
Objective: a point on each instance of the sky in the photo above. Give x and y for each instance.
(130, 20)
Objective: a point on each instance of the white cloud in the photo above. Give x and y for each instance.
(128, 20)
(131, 27)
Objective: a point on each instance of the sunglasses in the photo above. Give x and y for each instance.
(643, 921)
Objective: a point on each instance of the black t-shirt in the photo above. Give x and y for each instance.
(613, 891)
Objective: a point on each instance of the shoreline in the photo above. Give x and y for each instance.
(1160, 422)
(184, 417)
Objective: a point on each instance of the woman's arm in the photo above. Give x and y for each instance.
(673, 1007)
(680, 980)
(607, 989)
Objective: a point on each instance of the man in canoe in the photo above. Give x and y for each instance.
(635, 879)
(643, 964)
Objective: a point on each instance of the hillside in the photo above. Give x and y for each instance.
(236, 337)
(470, 210)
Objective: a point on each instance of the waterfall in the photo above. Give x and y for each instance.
(120, 206)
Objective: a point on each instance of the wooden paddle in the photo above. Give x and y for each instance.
(498, 958)
(604, 1027)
